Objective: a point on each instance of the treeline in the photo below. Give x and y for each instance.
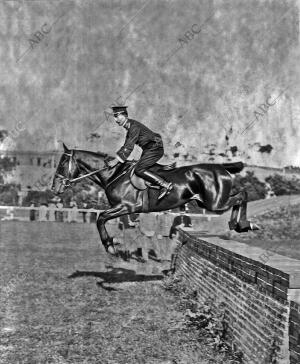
(6, 165)
(9, 194)
(283, 186)
(257, 189)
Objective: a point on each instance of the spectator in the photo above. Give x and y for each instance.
(9, 214)
(43, 210)
(32, 212)
(128, 234)
(59, 214)
(84, 206)
(127, 221)
(148, 239)
(164, 222)
(93, 217)
(72, 214)
(52, 207)
(181, 220)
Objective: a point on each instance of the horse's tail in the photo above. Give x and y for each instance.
(235, 167)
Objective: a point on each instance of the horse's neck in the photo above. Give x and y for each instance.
(89, 159)
(88, 162)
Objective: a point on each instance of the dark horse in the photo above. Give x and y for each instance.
(208, 184)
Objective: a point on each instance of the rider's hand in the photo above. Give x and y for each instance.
(112, 163)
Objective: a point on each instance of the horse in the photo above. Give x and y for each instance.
(208, 184)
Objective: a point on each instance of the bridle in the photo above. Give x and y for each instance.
(67, 181)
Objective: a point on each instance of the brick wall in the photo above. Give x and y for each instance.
(260, 292)
(294, 327)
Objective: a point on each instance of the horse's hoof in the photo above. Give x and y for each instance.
(136, 255)
(111, 250)
(245, 226)
(232, 225)
(254, 226)
(116, 241)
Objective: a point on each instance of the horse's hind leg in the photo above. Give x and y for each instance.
(238, 202)
(238, 220)
(234, 217)
(245, 225)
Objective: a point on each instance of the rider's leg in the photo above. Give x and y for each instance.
(154, 178)
(148, 158)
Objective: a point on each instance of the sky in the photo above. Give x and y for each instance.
(205, 74)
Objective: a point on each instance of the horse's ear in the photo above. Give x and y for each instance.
(66, 149)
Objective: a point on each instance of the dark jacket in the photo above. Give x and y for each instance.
(181, 219)
(140, 135)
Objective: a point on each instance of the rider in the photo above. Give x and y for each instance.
(151, 144)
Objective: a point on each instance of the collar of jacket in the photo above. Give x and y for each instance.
(127, 124)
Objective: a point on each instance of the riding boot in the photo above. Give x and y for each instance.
(166, 186)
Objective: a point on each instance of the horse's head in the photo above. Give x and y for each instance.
(67, 169)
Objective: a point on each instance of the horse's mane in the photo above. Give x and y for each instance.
(92, 159)
(99, 155)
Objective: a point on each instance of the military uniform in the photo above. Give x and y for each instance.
(152, 146)
(150, 142)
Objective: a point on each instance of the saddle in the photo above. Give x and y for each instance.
(138, 182)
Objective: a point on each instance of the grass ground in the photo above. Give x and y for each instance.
(280, 231)
(48, 317)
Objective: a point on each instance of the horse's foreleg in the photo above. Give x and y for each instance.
(104, 216)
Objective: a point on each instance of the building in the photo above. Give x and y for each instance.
(33, 170)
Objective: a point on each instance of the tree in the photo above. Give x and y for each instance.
(9, 194)
(256, 189)
(6, 164)
(283, 186)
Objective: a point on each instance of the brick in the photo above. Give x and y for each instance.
(295, 355)
(279, 293)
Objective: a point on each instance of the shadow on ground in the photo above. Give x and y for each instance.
(117, 275)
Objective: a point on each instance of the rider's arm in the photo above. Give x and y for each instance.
(131, 139)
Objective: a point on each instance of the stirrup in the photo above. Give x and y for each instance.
(165, 191)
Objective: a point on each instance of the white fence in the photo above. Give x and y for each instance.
(44, 213)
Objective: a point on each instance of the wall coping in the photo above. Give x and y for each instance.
(257, 256)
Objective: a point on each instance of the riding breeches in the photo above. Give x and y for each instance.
(148, 158)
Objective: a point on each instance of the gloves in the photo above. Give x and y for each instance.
(112, 163)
